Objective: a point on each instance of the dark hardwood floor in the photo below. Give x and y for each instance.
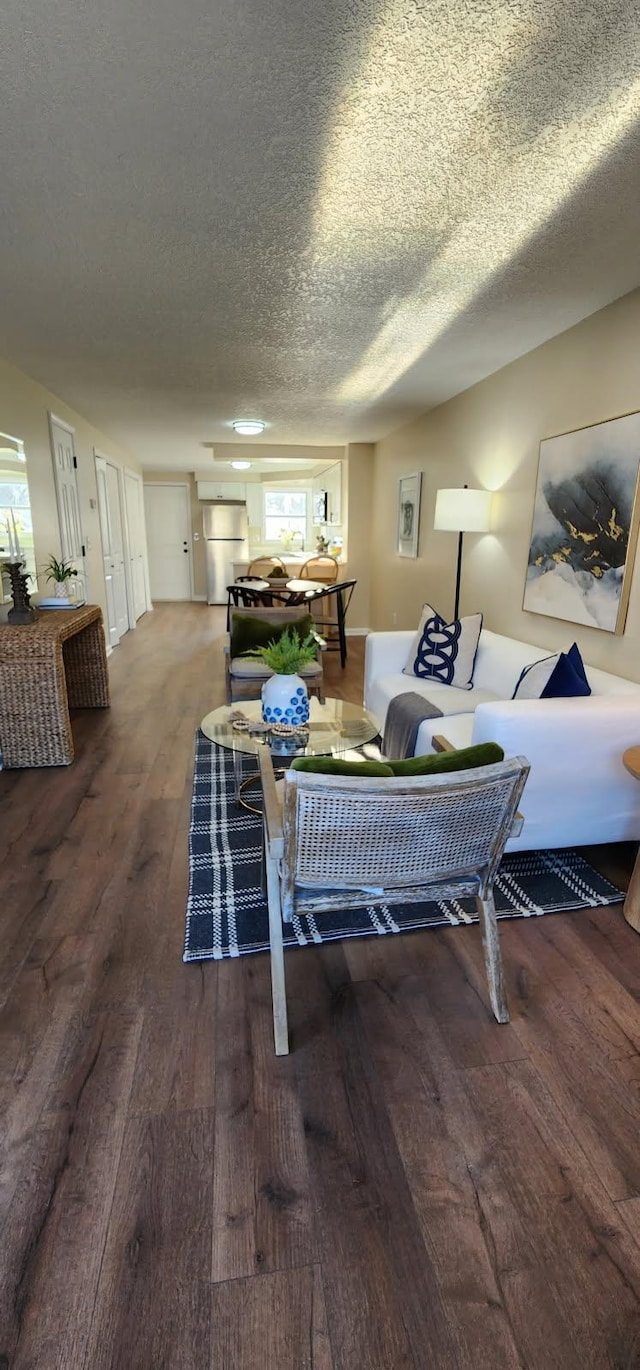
(414, 1188)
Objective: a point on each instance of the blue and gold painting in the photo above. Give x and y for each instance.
(584, 524)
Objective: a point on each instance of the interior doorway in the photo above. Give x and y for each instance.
(65, 468)
(139, 593)
(168, 519)
(108, 481)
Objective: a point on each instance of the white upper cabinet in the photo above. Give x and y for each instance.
(221, 489)
(331, 481)
(254, 504)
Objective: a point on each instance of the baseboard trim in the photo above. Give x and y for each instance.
(357, 632)
(198, 599)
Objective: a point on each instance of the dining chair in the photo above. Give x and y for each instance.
(412, 839)
(329, 609)
(248, 592)
(321, 567)
(262, 566)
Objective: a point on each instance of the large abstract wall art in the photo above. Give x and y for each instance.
(584, 525)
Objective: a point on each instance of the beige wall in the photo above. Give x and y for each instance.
(489, 436)
(24, 410)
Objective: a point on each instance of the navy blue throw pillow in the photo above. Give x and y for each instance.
(568, 678)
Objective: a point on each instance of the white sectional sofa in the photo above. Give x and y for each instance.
(578, 791)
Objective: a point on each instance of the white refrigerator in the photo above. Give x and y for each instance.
(225, 530)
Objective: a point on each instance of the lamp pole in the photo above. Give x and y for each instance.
(459, 568)
(458, 573)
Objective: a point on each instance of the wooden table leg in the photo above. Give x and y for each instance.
(631, 906)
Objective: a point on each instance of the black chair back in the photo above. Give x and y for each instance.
(329, 608)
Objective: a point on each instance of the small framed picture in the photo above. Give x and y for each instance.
(409, 514)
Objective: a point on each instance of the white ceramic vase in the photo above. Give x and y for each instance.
(61, 589)
(285, 699)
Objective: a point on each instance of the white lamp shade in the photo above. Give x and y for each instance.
(463, 511)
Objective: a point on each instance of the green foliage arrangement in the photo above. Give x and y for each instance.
(59, 570)
(289, 653)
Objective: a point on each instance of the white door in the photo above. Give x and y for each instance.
(168, 519)
(117, 549)
(137, 542)
(107, 552)
(66, 476)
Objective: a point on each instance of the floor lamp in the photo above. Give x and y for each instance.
(462, 511)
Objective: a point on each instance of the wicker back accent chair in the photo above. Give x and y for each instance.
(245, 676)
(331, 840)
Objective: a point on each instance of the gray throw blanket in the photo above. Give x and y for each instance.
(405, 714)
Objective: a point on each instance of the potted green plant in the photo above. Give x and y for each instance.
(60, 572)
(285, 698)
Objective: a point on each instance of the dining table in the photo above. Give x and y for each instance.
(300, 590)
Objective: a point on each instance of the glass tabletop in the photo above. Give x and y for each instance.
(334, 727)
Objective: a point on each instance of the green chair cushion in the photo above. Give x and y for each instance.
(334, 765)
(437, 763)
(247, 633)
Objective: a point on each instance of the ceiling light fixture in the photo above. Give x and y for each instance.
(249, 428)
(241, 465)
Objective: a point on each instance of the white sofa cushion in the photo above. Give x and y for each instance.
(449, 700)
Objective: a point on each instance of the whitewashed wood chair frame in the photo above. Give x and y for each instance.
(333, 841)
(248, 684)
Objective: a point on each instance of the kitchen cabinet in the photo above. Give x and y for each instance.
(331, 480)
(254, 506)
(221, 489)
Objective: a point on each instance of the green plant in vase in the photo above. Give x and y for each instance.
(61, 573)
(288, 653)
(285, 698)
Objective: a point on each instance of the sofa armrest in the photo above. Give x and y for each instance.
(562, 731)
(441, 743)
(384, 654)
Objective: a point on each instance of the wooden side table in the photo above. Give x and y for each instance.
(47, 666)
(631, 906)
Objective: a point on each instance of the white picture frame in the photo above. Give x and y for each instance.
(408, 520)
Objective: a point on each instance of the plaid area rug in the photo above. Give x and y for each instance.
(227, 911)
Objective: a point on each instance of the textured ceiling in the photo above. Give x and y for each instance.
(329, 215)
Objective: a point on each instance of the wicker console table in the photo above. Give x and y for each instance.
(47, 666)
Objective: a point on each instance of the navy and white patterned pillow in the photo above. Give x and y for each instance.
(561, 676)
(445, 652)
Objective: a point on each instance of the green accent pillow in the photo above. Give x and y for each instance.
(247, 633)
(334, 765)
(437, 763)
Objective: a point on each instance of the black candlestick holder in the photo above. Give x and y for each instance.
(22, 611)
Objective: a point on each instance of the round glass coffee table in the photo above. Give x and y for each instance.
(335, 727)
